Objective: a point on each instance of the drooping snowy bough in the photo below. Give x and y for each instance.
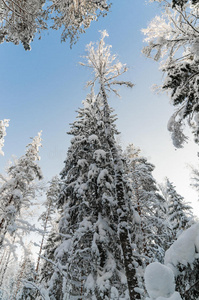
(160, 282)
(21, 20)
(173, 39)
(181, 262)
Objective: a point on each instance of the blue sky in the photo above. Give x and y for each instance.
(41, 90)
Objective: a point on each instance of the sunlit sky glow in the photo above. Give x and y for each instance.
(41, 90)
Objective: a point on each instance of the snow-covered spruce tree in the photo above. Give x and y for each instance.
(95, 258)
(48, 257)
(175, 35)
(179, 213)
(89, 255)
(18, 190)
(151, 229)
(24, 289)
(149, 215)
(47, 216)
(3, 124)
(106, 72)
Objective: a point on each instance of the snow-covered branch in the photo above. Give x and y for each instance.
(3, 124)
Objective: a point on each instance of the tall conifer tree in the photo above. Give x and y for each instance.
(52, 195)
(24, 289)
(152, 228)
(179, 212)
(19, 188)
(95, 257)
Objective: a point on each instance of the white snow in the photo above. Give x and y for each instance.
(63, 248)
(159, 280)
(93, 171)
(90, 282)
(102, 175)
(93, 138)
(114, 293)
(137, 218)
(175, 296)
(99, 155)
(3, 124)
(85, 225)
(184, 250)
(17, 193)
(10, 210)
(82, 163)
(196, 118)
(195, 49)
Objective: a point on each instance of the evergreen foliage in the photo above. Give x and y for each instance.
(17, 191)
(179, 213)
(152, 229)
(95, 255)
(25, 290)
(8, 272)
(187, 281)
(91, 256)
(113, 220)
(181, 3)
(48, 257)
(173, 39)
(21, 20)
(195, 179)
(50, 212)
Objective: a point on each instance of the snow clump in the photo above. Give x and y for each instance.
(160, 283)
(185, 250)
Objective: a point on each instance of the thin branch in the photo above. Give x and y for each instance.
(191, 287)
(187, 21)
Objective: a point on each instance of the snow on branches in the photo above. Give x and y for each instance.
(3, 124)
(95, 258)
(75, 16)
(104, 65)
(21, 20)
(173, 39)
(182, 263)
(18, 190)
(160, 283)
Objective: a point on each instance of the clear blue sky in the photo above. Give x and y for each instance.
(42, 88)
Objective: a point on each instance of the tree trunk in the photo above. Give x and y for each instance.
(122, 216)
(3, 229)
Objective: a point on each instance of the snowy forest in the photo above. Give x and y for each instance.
(104, 228)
